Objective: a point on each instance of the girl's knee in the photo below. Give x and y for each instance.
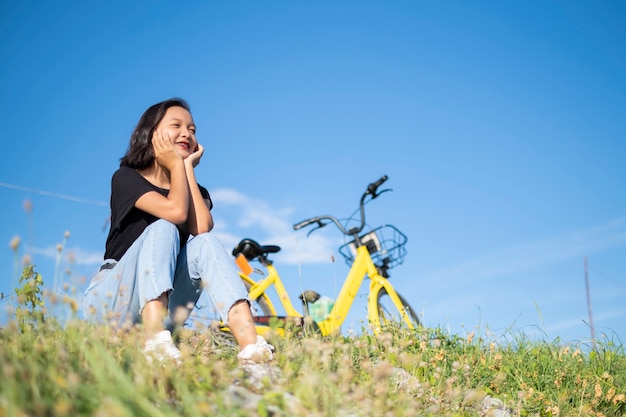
(205, 244)
(207, 238)
(164, 226)
(163, 231)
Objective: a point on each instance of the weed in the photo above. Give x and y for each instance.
(31, 307)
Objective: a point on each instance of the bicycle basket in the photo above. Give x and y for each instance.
(383, 242)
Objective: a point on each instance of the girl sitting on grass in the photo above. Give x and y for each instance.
(160, 253)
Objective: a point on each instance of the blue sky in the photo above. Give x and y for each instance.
(501, 126)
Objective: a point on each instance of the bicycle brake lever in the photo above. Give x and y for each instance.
(320, 224)
(379, 193)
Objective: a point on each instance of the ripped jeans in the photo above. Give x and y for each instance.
(154, 265)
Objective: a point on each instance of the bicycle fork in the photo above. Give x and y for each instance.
(378, 282)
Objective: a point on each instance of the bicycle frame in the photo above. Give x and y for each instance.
(258, 288)
(362, 267)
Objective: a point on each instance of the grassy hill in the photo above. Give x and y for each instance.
(77, 369)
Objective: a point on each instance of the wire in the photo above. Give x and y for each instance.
(55, 195)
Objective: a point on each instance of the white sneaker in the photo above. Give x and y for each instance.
(161, 347)
(259, 352)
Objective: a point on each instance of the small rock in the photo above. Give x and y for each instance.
(404, 380)
(494, 407)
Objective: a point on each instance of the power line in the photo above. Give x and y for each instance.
(55, 195)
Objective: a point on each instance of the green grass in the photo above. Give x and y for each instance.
(77, 369)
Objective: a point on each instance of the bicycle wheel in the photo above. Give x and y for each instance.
(388, 314)
(262, 304)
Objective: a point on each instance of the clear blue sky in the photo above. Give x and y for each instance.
(501, 126)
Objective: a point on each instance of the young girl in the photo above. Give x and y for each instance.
(160, 253)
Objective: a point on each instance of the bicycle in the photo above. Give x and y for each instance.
(370, 255)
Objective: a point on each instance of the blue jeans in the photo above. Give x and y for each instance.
(154, 265)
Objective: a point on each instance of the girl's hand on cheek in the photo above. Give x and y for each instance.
(165, 152)
(194, 158)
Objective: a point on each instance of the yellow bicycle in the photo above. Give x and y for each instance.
(370, 255)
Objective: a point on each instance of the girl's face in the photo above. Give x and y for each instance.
(178, 125)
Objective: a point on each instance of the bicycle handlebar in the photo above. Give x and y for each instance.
(304, 223)
(372, 190)
(373, 187)
(318, 220)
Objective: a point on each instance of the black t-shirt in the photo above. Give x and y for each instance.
(127, 221)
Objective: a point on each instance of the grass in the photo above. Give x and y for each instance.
(78, 369)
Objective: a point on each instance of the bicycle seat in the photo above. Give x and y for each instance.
(251, 249)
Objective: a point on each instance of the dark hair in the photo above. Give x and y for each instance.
(139, 154)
